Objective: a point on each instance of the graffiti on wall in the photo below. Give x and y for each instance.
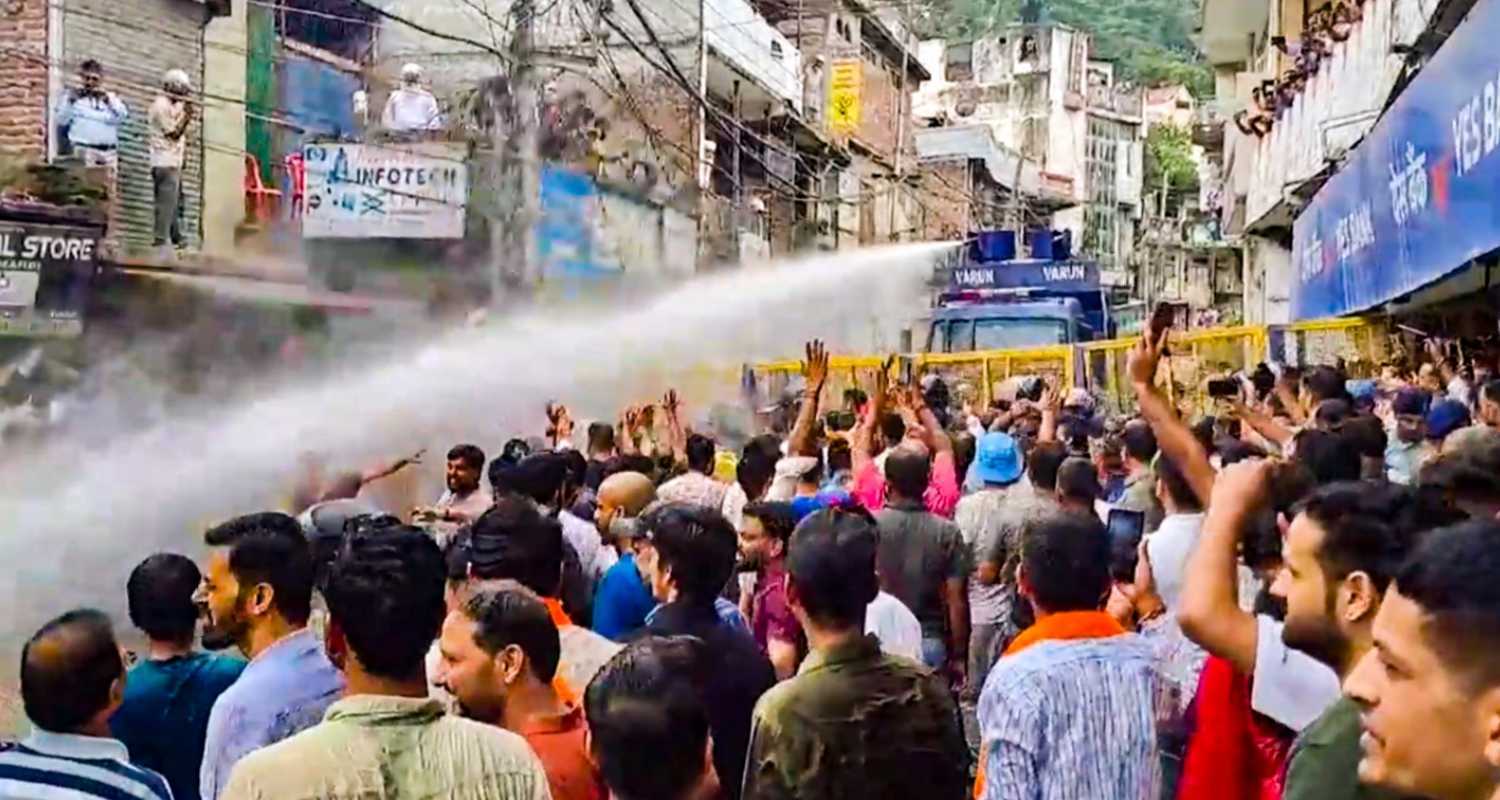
(590, 232)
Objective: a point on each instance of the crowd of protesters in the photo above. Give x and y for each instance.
(903, 597)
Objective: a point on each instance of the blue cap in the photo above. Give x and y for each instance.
(998, 459)
(1361, 390)
(1411, 401)
(1445, 417)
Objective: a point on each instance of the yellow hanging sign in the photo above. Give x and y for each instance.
(845, 80)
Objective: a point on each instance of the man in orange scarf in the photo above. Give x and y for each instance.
(1070, 711)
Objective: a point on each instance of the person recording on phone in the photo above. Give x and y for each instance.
(93, 117)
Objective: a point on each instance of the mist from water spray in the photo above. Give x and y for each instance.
(76, 524)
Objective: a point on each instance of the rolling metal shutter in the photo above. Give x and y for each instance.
(137, 41)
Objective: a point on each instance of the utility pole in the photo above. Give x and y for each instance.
(528, 112)
(902, 112)
(515, 162)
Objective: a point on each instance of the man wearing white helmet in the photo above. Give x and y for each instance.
(171, 114)
(411, 107)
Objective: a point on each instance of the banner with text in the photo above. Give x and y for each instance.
(1416, 200)
(45, 275)
(392, 191)
(845, 80)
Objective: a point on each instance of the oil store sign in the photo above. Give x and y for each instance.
(45, 274)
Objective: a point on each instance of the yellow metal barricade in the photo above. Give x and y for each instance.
(1197, 355)
(972, 375)
(1104, 373)
(982, 372)
(844, 372)
(1363, 343)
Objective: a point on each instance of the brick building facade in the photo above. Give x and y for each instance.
(23, 79)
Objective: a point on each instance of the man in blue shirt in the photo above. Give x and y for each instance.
(258, 594)
(623, 599)
(168, 696)
(93, 117)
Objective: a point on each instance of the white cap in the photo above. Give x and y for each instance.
(177, 77)
(411, 71)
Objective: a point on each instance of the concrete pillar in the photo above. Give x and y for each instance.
(225, 40)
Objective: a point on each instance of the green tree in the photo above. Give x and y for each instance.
(1169, 160)
(1150, 41)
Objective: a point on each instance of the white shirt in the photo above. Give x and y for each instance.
(593, 556)
(165, 117)
(789, 471)
(412, 110)
(898, 630)
(734, 504)
(1289, 685)
(1170, 548)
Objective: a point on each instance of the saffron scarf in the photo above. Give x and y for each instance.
(1064, 627)
(565, 692)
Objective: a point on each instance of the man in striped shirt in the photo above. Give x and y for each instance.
(72, 680)
(1070, 711)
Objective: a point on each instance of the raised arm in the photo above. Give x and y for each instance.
(862, 440)
(1287, 393)
(1210, 614)
(672, 405)
(1266, 426)
(1174, 437)
(815, 369)
(1050, 400)
(388, 469)
(625, 441)
(937, 438)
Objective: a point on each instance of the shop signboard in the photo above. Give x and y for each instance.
(45, 275)
(384, 191)
(1416, 200)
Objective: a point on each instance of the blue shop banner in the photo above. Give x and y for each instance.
(1420, 197)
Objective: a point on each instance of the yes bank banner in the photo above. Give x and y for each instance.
(1420, 197)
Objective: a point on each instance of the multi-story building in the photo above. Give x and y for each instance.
(135, 42)
(1350, 142)
(1037, 90)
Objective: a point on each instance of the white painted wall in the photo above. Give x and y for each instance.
(1067, 129)
(742, 37)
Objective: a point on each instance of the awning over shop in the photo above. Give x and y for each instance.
(1417, 199)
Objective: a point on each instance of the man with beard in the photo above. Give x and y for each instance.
(169, 694)
(385, 738)
(1341, 550)
(500, 654)
(464, 500)
(257, 595)
(763, 542)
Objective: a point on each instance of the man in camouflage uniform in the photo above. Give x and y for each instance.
(854, 722)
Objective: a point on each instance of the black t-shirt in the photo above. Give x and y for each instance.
(738, 675)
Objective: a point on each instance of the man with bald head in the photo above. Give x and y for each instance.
(624, 596)
(72, 681)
